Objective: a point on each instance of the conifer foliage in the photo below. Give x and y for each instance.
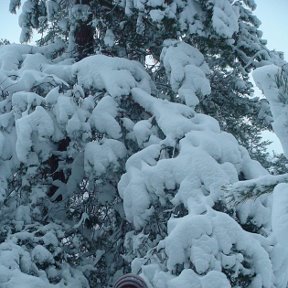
(109, 165)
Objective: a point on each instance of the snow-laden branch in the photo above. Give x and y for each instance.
(273, 81)
(251, 189)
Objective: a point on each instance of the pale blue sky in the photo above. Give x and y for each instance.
(9, 28)
(273, 15)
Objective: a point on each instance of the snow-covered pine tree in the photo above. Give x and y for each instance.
(144, 27)
(138, 178)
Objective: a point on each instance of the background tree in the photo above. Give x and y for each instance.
(4, 42)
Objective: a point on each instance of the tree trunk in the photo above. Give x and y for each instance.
(84, 34)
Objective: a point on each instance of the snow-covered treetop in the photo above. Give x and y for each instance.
(148, 24)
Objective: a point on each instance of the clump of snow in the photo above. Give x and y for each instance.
(12, 55)
(187, 70)
(109, 38)
(225, 18)
(99, 156)
(34, 62)
(279, 213)
(188, 276)
(203, 165)
(80, 12)
(271, 80)
(64, 109)
(142, 131)
(280, 232)
(22, 217)
(52, 7)
(157, 15)
(103, 117)
(155, 3)
(39, 122)
(50, 239)
(200, 238)
(23, 101)
(173, 126)
(116, 75)
(41, 255)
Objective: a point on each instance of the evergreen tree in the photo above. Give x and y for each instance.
(226, 34)
(106, 169)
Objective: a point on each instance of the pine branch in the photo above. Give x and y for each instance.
(242, 191)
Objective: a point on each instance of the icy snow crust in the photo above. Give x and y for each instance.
(183, 158)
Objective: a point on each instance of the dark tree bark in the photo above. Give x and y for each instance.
(84, 34)
(57, 174)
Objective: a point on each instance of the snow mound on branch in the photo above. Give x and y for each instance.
(280, 232)
(34, 62)
(23, 101)
(41, 255)
(212, 279)
(12, 55)
(207, 159)
(191, 16)
(116, 75)
(103, 117)
(52, 8)
(174, 127)
(23, 266)
(39, 122)
(99, 156)
(200, 238)
(187, 70)
(225, 18)
(142, 132)
(271, 80)
(279, 213)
